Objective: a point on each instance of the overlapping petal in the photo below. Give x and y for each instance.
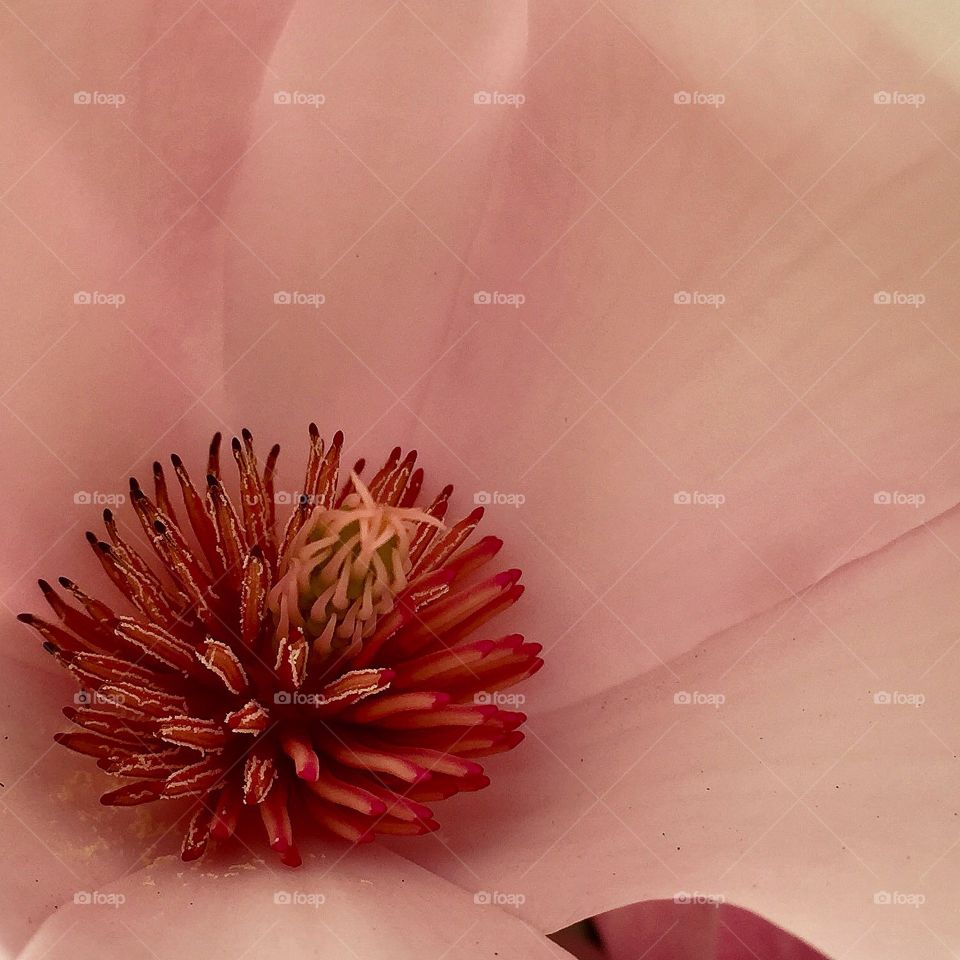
(363, 904)
(801, 765)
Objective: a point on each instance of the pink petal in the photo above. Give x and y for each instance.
(57, 838)
(599, 400)
(365, 903)
(111, 200)
(804, 796)
(688, 930)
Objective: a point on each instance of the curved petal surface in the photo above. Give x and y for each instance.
(346, 905)
(802, 765)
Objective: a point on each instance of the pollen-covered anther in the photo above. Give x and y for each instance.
(251, 718)
(222, 661)
(323, 669)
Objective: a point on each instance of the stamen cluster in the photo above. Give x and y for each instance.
(320, 675)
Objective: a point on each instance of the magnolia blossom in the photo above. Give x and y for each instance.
(667, 288)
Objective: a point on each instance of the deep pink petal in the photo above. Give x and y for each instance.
(685, 929)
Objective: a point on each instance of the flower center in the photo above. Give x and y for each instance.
(314, 707)
(344, 569)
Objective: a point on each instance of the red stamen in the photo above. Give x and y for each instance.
(322, 672)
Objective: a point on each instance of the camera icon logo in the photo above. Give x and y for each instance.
(282, 297)
(483, 97)
(482, 499)
(81, 497)
(82, 298)
(882, 697)
(882, 97)
(682, 297)
(481, 296)
(882, 897)
(282, 97)
(682, 97)
(282, 497)
(282, 697)
(882, 298)
(482, 898)
(682, 497)
(82, 97)
(282, 897)
(682, 697)
(883, 497)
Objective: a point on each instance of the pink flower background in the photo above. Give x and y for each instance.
(728, 402)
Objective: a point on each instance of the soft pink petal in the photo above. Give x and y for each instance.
(600, 399)
(368, 903)
(800, 797)
(57, 838)
(112, 200)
